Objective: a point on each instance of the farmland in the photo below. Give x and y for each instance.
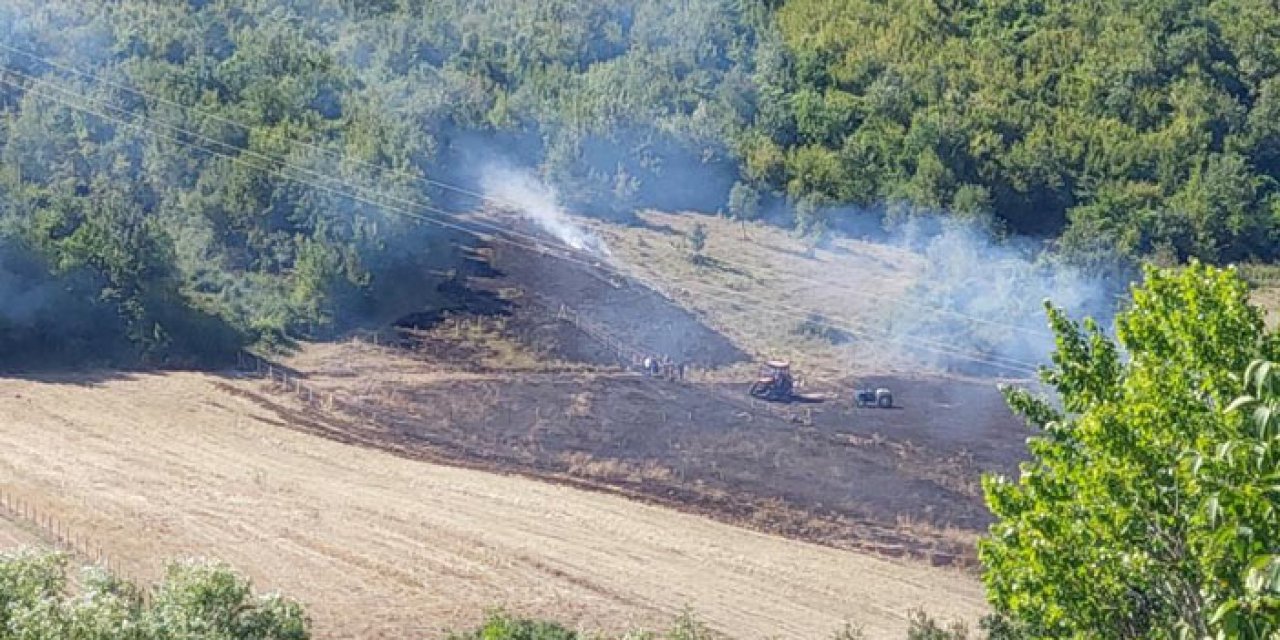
(156, 466)
(497, 446)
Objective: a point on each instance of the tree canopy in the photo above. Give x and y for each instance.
(1149, 507)
(1148, 124)
(197, 599)
(263, 166)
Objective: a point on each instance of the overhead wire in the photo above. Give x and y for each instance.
(278, 166)
(482, 197)
(990, 359)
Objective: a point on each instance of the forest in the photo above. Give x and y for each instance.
(179, 179)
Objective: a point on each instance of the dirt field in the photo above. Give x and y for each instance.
(380, 546)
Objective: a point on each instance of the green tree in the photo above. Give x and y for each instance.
(1148, 509)
(195, 600)
(744, 202)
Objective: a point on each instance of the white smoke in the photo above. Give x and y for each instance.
(539, 202)
(981, 298)
(21, 299)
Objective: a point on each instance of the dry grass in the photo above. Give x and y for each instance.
(760, 287)
(1268, 297)
(15, 534)
(382, 547)
(489, 343)
(613, 470)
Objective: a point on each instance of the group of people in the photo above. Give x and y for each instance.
(664, 367)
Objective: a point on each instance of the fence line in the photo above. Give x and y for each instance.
(318, 398)
(63, 537)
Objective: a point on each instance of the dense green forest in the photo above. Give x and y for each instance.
(179, 178)
(1128, 126)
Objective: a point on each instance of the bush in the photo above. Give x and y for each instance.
(744, 202)
(923, 627)
(503, 626)
(816, 325)
(697, 242)
(197, 599)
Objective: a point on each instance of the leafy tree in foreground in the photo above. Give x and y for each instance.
(196, 600)
(1149, 509)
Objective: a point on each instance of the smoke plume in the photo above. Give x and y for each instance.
(538, 202)
(977, 304)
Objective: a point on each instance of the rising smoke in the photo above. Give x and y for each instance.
(538, 202)
(978, 303)
(22, 297)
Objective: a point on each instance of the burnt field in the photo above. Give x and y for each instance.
(902, 481)
(504, 381)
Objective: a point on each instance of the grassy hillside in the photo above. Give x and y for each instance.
(376, 545)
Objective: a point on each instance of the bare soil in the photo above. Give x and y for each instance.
(379, 546)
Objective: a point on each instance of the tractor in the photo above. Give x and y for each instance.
(774, 383)
(882, 398)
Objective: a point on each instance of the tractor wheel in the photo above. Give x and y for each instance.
(885, 402)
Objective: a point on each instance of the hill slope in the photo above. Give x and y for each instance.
(378, 546)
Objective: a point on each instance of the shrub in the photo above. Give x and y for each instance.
(197, 599)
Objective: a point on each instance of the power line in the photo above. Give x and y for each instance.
(452, 187)
(992, 360)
